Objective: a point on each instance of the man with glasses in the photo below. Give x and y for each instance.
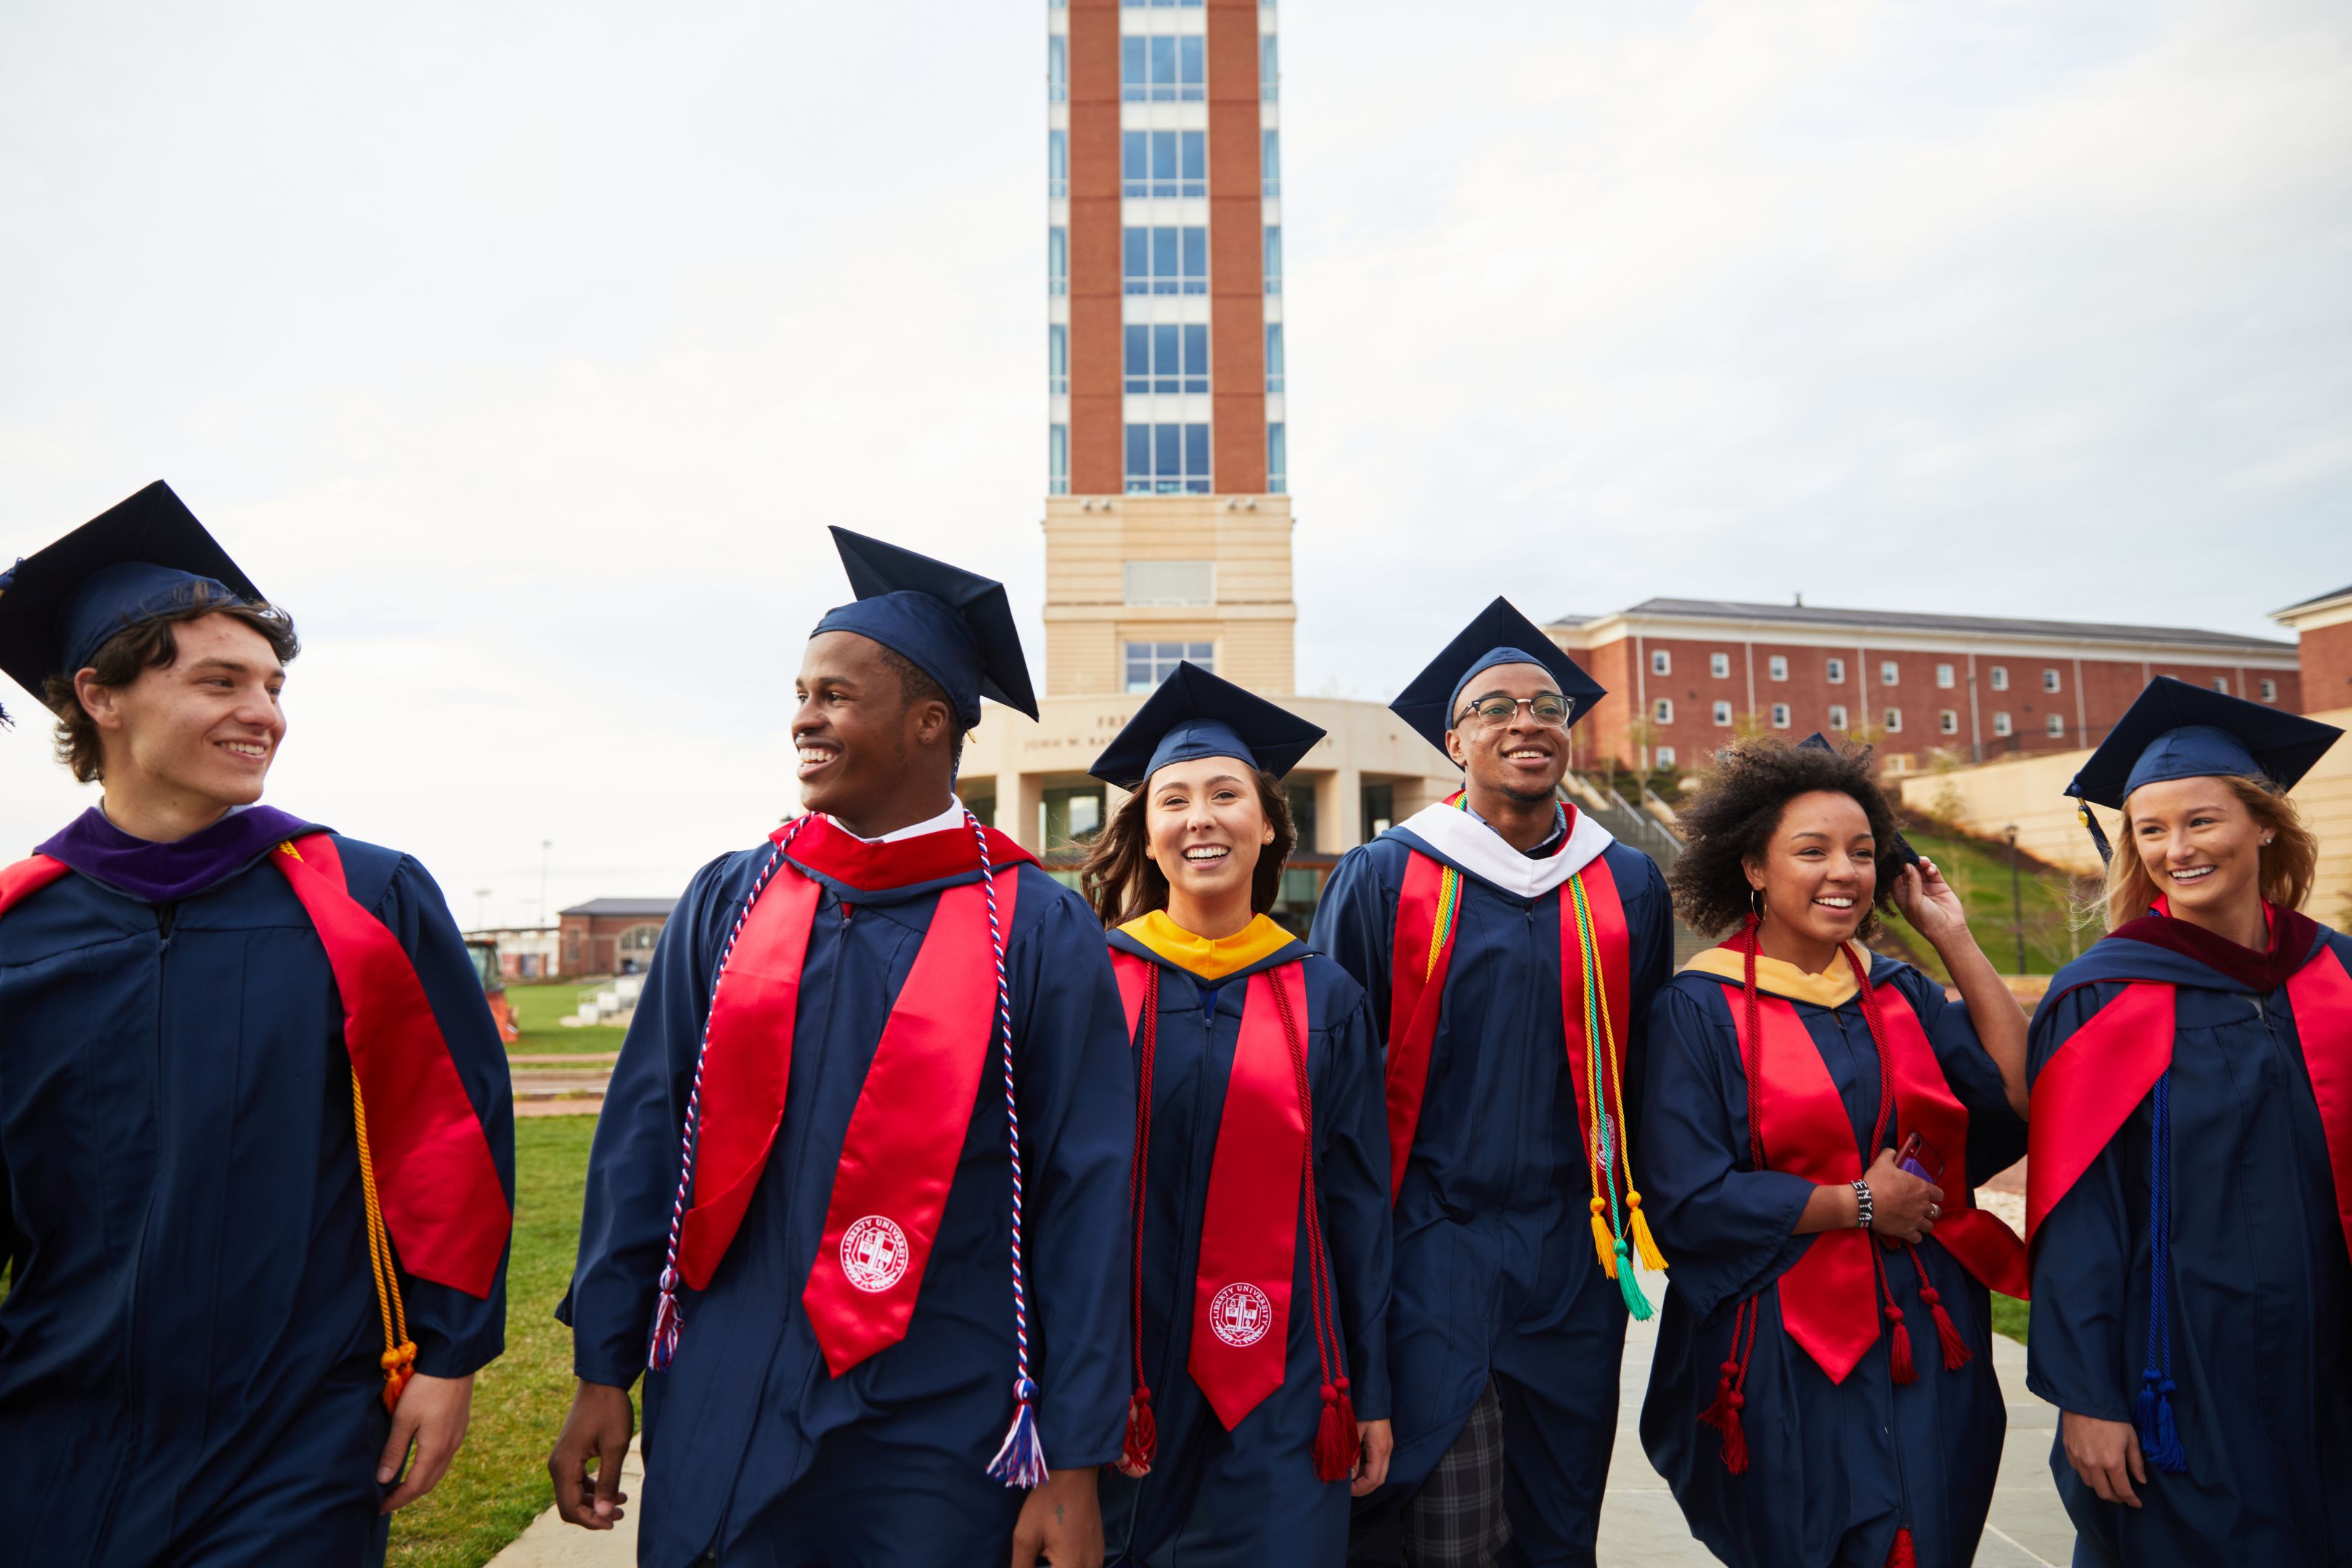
(1509, 947)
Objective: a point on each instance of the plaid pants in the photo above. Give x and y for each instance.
(1455, 1520)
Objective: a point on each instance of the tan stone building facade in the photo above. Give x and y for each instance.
(1134, 584)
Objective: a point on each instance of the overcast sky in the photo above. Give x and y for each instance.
(523, 349)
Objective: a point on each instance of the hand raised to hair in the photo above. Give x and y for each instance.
(1929, 904)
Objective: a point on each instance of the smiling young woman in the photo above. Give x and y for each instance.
(2192, 1104)
(1260, 1401)
(1816, 1116)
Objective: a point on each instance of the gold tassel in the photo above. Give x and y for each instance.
(1643, 1242)
(1603, 1241)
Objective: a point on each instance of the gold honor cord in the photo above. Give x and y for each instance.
(399, 1358)
(1610, 1229)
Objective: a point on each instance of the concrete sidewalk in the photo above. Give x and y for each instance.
(1642, 1528)
(1640, 1525)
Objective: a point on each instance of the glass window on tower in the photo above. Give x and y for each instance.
(1270, 165)
(1057, 163)
(1057, 476)
(1057, 69)
(1274, 258)
(1167, 260)
(1160, 5)
(1163, 163)
(1277, 461)
(1150, 663)
(1274, 356)
(1167, 357)
(1168, 459)
(1161, 68)
(1057, 358)
(1057, 260)
(1269, 67)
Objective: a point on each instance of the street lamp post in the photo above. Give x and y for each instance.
(2016, 900)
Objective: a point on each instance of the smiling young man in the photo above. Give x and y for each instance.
(1510, 948)
(893, 1053)
(245, 1062)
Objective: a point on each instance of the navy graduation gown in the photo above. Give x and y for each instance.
(747, 1422)
(2261, 1290)
(1495, 1267)
(1835, 1468)
(1249, 1496)
(188, 1358)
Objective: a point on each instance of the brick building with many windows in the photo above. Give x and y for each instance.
(1685, 675)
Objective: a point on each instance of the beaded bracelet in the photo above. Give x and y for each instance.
(1862, 1205)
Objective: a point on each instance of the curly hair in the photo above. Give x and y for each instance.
(1739, 806)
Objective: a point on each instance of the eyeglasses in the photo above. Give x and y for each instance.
(1548, 709)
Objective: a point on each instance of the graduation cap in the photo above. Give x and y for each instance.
(2176, 731)
(1900, 852)
(1499, 635)
(956, 627)
(139, 559)
(1193, 713)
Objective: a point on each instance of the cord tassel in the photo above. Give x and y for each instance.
(2152, 1416)
(667, 1324)
(1021, 1462)
(399, 1365)
(1644, 1244)
(1628, 1286)
(1602, 1242)
(1902, 1555)
(1899, 1346)
(1142, 1437)
(1956, 1354)
(1337, 1444)
(1723, 1414)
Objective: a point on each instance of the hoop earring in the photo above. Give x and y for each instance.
(1755, 904)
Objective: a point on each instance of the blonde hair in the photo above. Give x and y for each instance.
(2290, 861)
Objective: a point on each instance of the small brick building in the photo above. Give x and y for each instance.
(1684, 676)
(2323, 628)
(610, 936)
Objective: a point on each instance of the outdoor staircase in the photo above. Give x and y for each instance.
(1645, 827)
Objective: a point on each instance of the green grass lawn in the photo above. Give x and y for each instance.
(1979, 872)
(537, 1009)
(498, 1484)
(2009, 1316)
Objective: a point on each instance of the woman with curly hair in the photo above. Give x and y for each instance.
(1260, 1188)
(2192, 1159)
(1816, 1116)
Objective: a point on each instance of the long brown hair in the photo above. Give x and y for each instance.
(2289, 865)
(1121, 881)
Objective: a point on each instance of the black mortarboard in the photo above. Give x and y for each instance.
(2176, 731)
(1900, 852)
(955, 626)
(1196, 714)
(1499, 635)
(141, 558)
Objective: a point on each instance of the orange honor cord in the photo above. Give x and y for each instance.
(399, 1359)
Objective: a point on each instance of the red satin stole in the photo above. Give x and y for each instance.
(1828, 1300)
(1417, 987)
(1249, 1224)
(2094, 1081)
(906, 1132)
(438, 1186)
